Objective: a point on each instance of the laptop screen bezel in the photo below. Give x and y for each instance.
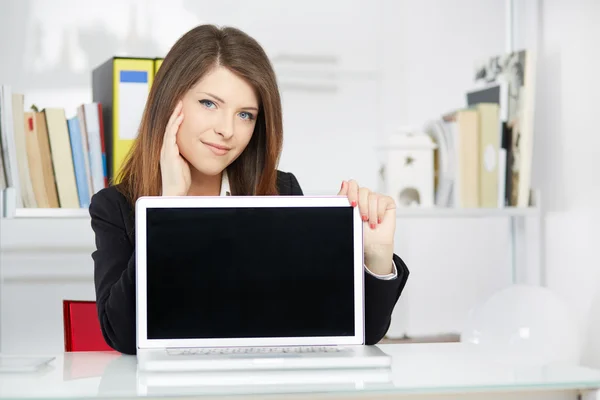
(144, 203)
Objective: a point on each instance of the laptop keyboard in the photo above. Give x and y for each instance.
(255, 350)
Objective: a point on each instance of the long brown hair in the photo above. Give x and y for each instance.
(254, 172)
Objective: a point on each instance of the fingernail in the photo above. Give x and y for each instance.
(365, 217)
(372, 226)
(342, 185)
(353, 204)
(379, 220)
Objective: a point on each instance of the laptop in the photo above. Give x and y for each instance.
(250, 283)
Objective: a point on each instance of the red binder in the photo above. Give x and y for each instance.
(82, 328)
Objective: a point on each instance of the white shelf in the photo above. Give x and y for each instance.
(445, 212)
(52, 213)
(534, 210)
(414, 212)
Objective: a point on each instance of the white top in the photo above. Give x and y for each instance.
(416, 369)
(226, 191)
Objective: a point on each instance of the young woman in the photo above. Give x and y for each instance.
(213, 126)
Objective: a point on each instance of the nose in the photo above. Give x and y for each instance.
(225, 127)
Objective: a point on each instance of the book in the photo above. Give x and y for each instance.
(517, 71)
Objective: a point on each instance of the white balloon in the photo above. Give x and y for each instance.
(525, 325)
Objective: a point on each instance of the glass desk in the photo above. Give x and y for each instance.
(420, 371)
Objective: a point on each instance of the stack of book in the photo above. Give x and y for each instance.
(50, 159)
(484, 154)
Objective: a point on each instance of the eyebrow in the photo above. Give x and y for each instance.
(223, 101)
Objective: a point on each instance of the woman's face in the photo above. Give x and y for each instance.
(219, 115)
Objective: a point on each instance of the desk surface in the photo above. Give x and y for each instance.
(416, 369)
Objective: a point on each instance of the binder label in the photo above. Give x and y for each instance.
(133, 93)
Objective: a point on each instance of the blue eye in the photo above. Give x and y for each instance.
(246, 116)
(207, 103)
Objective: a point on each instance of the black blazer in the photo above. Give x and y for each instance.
(113, 222)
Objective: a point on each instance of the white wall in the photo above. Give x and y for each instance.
(566, 153)
(400, 63)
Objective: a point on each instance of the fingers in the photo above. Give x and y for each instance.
(169, 145)
(384, 204)
(174, 122)
(174, 115)
(353, 192)
(363, 203)
(344, 189)
(175, 127)
(371, 206)
(373, 210)
(381, 207)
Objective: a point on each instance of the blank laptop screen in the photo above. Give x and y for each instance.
(250, 272)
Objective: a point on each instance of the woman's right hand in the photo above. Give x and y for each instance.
(174, 169)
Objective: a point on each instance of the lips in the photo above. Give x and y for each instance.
(217, 149)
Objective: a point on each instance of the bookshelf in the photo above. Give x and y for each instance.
(432, 212)
(534, 210)
(35, 230)
(401, 213)
(439, 212)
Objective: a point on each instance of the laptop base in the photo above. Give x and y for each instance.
(347, 357)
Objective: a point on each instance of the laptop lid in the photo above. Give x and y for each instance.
(248, 271)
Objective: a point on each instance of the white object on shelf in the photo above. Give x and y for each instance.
(408, 174)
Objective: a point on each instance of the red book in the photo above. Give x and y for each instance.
(82, 327)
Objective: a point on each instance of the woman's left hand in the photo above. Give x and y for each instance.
(378, 213)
